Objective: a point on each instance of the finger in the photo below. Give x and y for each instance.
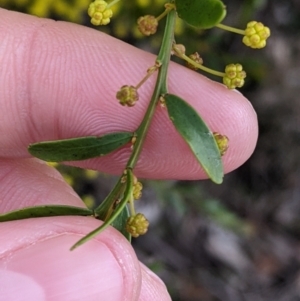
(59, 80)
(152, 287)
(31, 182)
(41, 267)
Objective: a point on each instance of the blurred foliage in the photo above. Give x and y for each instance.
(68, 10)
(240, 240)
(123, 25)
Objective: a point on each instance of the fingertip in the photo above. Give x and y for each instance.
(167, 156)
(152, 289)
(39, 250)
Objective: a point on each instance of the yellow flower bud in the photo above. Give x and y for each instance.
(234, 76)
(196, 58)
(137, 225)
(137, 190)
(127, 96)
(99, 13)
(147, 25)
(222, 142)
(256, 35)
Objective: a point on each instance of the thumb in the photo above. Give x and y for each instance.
(42, 267)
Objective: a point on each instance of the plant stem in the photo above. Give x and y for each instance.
(232, 29)
(168, 8)
(131, 205)
(163, 59)
(150, 71)
(199, 66)
(112, 3)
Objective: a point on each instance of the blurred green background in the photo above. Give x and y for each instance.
(239, 240)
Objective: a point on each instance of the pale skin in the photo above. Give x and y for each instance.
(58, 80)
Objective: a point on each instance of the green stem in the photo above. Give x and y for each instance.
(232, 29)
(112, 3)
(163, 59)
(169, 7)
(150, 71)
(131, 205)
(206, 69)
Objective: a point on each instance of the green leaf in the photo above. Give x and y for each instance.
(78, 148)
(116, 212)
(43, 211)
(201, 13)
(120, 223)
(197, 135)
(106, 209)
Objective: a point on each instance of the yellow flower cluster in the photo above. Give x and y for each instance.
(99, 13)
(256, 35)
(196, 58)
(137, 190)
(67, 10)
(147, 25)
(127, 95)
(234, 76)
(222, 142)
(137, 225)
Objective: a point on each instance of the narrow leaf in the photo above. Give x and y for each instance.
(120, 223)
(118, 210)
(43, 211)
(79, 148)
(197, 135)
(201, 13)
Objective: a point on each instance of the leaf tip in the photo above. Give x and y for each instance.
(218, 180)
(73, 247)
(76, 245)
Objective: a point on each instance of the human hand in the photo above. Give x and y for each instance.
(58, 80)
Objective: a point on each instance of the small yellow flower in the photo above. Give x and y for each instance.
(99, 13)
(127, 95)
(196, 58)
(91, 174)
(222, 142)
(256, 35)
(234, 76)
(137, 225)
(52, 164)
(137, 190)
(147, 25)
(89, 200)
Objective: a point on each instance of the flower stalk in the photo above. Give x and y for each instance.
(162, 60)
